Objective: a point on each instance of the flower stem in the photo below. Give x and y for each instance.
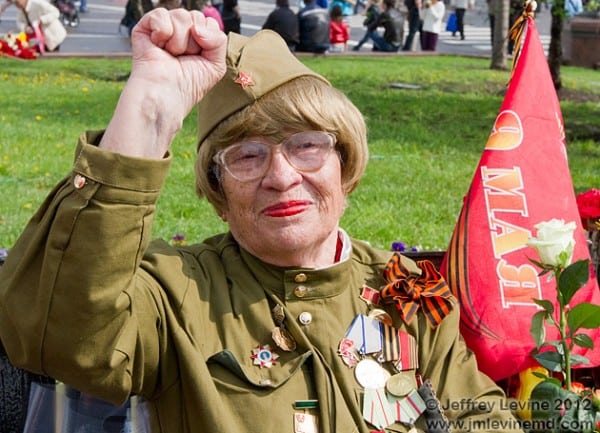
(566, 349)
(562, 327)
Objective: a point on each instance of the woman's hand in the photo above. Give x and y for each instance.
(179, 49)
(177, 57)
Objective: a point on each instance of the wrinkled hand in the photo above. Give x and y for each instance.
(177, 57)
(179, 50)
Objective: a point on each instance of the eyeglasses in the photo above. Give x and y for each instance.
(249, 160)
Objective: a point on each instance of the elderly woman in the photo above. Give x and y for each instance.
(45, 15)
(278, 325)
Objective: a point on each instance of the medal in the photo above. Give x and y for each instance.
(381, 315)
(263, 356)
(377, 410)
(305, 423)
(370, 374)
(370, 296)
(399, 385)
(280, 335)
(283, 339)
(348, 352)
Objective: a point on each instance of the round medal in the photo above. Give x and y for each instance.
(399, 385)
(283, 339)
(370, 374)
(381, 315)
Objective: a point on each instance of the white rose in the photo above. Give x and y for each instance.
(553, 238)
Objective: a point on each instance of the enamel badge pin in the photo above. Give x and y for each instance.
(263, 356)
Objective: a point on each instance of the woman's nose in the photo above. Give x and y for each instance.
(281, 174)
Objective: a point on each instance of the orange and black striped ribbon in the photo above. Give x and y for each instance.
(410, 291)
(518, 29)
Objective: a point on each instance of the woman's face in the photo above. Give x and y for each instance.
(287, 217)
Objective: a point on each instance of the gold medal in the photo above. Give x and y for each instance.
(399, 385)
(283, 339)
(278, 314)
(280, 335)
(381, 315)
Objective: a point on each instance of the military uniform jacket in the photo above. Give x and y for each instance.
(86, 298)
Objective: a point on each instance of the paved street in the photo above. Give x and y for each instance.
(99, 32)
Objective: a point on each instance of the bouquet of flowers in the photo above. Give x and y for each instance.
(560, 403)
(21, 45)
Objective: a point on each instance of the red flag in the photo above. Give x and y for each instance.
(522, 179)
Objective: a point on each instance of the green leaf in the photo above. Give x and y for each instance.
(546, 305)
(550, 360)
(538, 264)
(573, 278)
(584, 315)
(583, 340)
(543, 400)
(578, 359)
(537, 329)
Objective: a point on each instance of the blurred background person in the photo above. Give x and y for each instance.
(231, 16)
(433, 13)
(313, 24)
(134, 10)
(347, 7)
(392, 21)
(413, 8)
(41, 13)
(284, 21)
(371, 12)
(460, 8)
(210, 11)
(573, 7)
(339, 31)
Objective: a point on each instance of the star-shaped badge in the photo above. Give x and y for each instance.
(263, 356)
(245, 79)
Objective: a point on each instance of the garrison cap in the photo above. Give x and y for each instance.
(255, 66)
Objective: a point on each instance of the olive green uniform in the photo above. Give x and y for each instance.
(86, 298)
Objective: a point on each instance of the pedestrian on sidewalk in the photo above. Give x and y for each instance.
(414, 22)
(460, 8)
(432, 14)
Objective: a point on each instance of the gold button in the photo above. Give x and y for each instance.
(300, 278)
(300, 291)
(79, 181)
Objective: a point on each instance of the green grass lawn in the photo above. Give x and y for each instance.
(424, 143)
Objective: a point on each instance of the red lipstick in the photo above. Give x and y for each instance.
(287, 208)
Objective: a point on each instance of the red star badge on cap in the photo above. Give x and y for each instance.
(245, 79)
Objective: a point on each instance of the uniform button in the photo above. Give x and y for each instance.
(305, 318)
(300, 278)
(265, 382)
(300, 291)
(79, 181)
